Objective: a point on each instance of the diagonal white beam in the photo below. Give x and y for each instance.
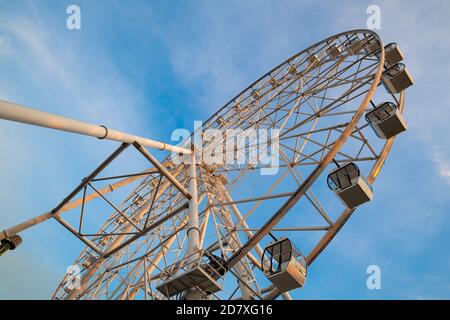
(14, 112)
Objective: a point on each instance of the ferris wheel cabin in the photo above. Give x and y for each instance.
(203, 273)
(354, 46)
(386, 120)
(349, 185)
(396, 78)
(334, 51)
(313, 59)
(284, 265)
(392, 54)
(372, 46)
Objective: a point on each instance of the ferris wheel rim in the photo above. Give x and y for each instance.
(338, 143)
(353, 31)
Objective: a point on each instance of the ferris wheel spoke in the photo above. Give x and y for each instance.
(309, 195)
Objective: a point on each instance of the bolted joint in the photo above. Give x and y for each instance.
(10, 243)
(14, 241)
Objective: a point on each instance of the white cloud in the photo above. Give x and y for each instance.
(231, 44)
(443, 163)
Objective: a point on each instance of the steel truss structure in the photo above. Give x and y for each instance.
(180, 215)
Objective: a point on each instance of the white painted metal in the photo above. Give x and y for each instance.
(354, 46)
(284, 265)
(372, 47)
(193, 232)
(334, 51)
(386, 120)
(350, 186)
(14, 112)
(393, 54)
(397, 78)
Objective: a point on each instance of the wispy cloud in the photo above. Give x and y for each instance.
(54, 60)
(443, 163)
(217, 49)
(48, 67)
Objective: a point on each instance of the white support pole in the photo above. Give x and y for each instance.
(193, 232)
(34, 221)
(13, 112)
(70, 205)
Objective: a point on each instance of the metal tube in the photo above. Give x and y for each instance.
(88, 179)
(241, 220)
(69, 206)
(145, 278)
(263, 291)
(272, 196)
(85, 240)
(146, 230)
(13, 112)
(204, 226)
(246, 291)
(285, 208)
(314, 228)
(165, 246)
(193, 232)
(117, 241)
(65, 204)
(162, 169)
(273, 294)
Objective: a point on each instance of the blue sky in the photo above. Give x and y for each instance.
(150, 67)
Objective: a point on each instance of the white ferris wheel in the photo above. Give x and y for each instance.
(196, 230)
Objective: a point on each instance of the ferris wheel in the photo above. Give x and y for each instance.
(196, 230)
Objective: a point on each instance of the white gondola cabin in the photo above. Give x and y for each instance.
(88, 261)
(354, 46)
(202, 273)
(334, 51)
(392, 54)
(372, 46)
(349, 185)
(386, 120)
(397, 78)
(313, 60)
(284, 265)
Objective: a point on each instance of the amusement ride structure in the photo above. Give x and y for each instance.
(193, 230)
